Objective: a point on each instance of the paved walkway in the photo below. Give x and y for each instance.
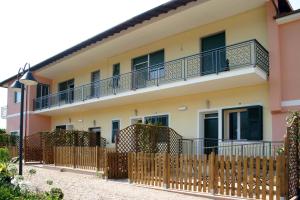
(87, 187)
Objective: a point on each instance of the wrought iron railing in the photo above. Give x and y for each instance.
(231, 147)
(245, 54)
(3, 112)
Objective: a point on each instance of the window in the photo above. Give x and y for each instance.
(160, 120)
(17, 97)
(116, 75)
(115, 130)
(243, 123)
(150, 65)
(61, 127)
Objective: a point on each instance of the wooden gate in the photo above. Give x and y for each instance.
(117, 165)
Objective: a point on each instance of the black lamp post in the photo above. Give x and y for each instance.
(27, 79)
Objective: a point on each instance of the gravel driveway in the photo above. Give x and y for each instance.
(88, 187)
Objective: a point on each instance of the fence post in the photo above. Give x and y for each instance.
(54, 155)
(97, 159)
(211, 172)
(74, 156)
(105, 164)
(166, 170)
(129, 167)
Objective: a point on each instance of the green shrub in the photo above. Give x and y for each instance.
(4, 155)
(6, 193)
(56, 193)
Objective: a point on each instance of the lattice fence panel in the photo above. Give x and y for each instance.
(149, 139)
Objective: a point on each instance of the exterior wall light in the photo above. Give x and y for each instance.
(182, 108)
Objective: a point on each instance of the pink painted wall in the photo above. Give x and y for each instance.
(284, 81)
(32, 122)
(290, 59)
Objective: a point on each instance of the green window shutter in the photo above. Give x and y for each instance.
(255, 123)
(157, 57)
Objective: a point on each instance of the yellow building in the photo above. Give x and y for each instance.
(199, 67)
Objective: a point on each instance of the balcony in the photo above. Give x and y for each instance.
(246, 62)
(4, 112)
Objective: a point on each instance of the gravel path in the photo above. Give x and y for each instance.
(87, 187)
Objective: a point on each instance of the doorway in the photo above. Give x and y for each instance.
(97, 131)
(211, 133)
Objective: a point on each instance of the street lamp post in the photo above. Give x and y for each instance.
(26, 79)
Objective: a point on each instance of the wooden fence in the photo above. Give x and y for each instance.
(13, 151)
(89, 158)
(117, 165)
(249, 177)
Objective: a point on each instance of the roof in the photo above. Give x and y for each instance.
(289, 13)
(148, 15)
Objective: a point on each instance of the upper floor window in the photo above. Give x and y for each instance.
(151, 65)
(17, 97)
(42, 90)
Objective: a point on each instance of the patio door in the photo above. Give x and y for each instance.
(140, 68)
(213, 61)
(95, 84)
(66, 91)
(211, 133)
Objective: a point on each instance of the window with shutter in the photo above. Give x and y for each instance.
(245, 123)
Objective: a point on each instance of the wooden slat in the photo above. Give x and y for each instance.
(204, 173)
(245, 175)
(257, 180)
(195, 173)
(239, 177)
(278, 173)
(251, 170)
(190, 165)
(233, 174)
(227, 174)
(222, 175)
(271, 176)
(264, 178)
(199, 173)
(181, 171)
(186, 172)
(177, 170)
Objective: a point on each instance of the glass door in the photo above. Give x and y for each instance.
(95, 84)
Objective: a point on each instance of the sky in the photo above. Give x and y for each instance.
(34, 30)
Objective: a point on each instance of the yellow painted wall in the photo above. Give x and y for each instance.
(245, 26)
(184, 122)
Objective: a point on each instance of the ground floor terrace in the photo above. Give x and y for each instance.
(241, 114)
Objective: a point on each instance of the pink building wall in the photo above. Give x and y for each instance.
(284, 80)
(32, 122)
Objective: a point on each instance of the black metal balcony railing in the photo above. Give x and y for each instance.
(226, 147)
(241, 55)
